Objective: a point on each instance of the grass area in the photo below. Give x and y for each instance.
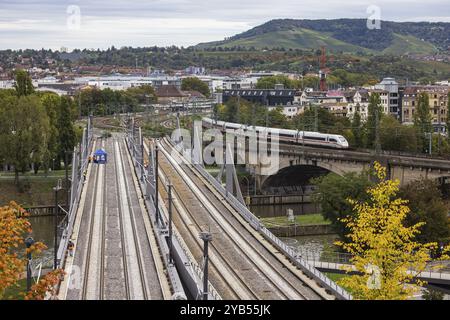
(335, 276)
(40, 174)
(304, 220)
(403, 44)
(34, 190)
(17, 291)
(299, 38)
(338, 276)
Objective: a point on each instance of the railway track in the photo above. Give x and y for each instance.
(254, 272)
(137, 283)
(122, 234)
(118, 258)
(92, 272)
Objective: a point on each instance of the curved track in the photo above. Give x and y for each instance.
(252, 271)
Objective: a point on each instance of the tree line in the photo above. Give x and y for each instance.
(103, 102)
(36, 128)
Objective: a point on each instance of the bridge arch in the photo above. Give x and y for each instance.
(321, 166)
(295, 175)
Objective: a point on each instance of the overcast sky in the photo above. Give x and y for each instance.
(101, 24)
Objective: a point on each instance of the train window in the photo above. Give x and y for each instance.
(333, 140)
(315, 138)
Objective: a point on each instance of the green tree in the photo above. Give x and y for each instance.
(427, 206)
(23, 84)
(271, 81)
(433, 294)
(24, 132)
(422, 119)
(277, 119)
(193, 83)
(375, 112)
(333, 192)
(356, 129)
(66, 132)
(326, 121)
(397, 137)
(143, 94)
(309, 82)
(51, 103)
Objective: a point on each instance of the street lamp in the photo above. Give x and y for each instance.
(28, 243)
(206, 237)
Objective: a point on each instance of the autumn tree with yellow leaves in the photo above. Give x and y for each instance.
(14, 225)
(384, 251)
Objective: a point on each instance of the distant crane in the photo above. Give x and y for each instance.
(323, 71)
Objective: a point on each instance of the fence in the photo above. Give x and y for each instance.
(79, 165)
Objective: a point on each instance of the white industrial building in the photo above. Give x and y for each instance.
(120, 82)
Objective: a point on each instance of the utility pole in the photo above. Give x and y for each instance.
(66, 164)
(430, 136)
(170, 224)
(55, 225)
(206, 237)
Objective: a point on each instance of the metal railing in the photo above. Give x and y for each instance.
(79, 165)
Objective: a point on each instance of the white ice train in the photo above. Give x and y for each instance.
(285, 135)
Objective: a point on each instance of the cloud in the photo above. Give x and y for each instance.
(36, 24)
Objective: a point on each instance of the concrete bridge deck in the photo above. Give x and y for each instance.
(115, 255)
(243, 264)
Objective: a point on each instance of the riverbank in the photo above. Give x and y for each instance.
(34, 190)
(303, 225)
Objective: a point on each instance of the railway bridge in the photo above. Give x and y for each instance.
(135, 225)
(404, 167)
(295, 159)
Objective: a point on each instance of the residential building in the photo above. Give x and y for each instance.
(357, 101)
(289, 110)
(438, 102)
(390, 85)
